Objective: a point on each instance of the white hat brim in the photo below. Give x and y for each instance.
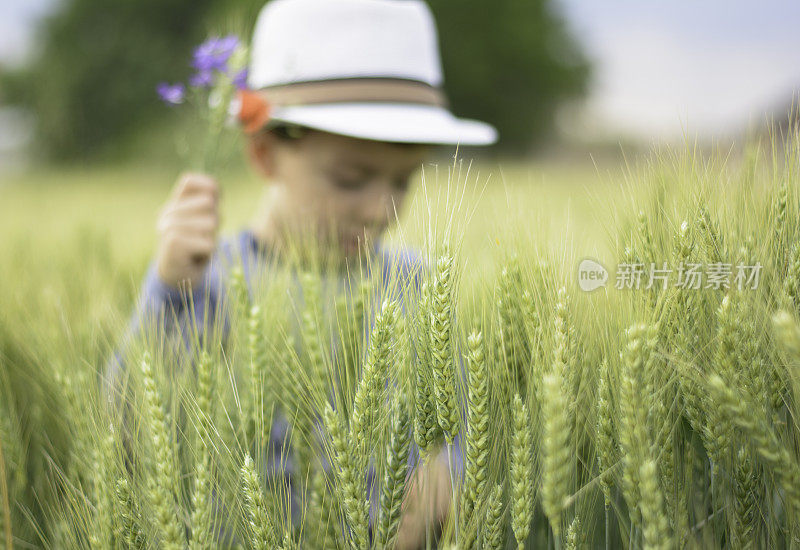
(394, 122)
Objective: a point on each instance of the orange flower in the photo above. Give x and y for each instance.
(254, 111)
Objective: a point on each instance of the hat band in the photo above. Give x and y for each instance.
(352, 90)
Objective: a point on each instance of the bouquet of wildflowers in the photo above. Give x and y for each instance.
(220, 65)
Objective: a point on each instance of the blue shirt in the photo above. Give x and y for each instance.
(166, 311)
(167, 307)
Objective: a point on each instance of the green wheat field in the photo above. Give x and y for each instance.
(661, 417)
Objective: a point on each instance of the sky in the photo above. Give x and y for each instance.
(663, 69)
(18, 20)
(687, 67)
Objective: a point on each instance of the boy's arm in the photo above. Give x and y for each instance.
(168, 313)
(180, 276)
(162, 303)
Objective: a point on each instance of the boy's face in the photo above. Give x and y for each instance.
(342, 188)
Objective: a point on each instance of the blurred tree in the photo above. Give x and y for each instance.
(509, 62)
(94, 78)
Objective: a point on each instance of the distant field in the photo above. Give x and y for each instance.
(548, 202)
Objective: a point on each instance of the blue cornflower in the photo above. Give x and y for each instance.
(213, 54)
(202, 79)
(171, 93)
(240, 80)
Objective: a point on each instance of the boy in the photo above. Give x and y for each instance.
(344, 103)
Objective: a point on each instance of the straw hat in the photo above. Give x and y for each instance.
(368, 69)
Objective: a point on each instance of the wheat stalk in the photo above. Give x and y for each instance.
(262, 532)
(5, 500)
(493, 527)
(162, 486)
(441, 347)
(522, 474)
(477, 436)
(395, 475)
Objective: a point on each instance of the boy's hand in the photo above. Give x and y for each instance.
(426, 504)
(187, 227)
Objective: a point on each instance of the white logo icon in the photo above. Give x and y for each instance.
(591, 275)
